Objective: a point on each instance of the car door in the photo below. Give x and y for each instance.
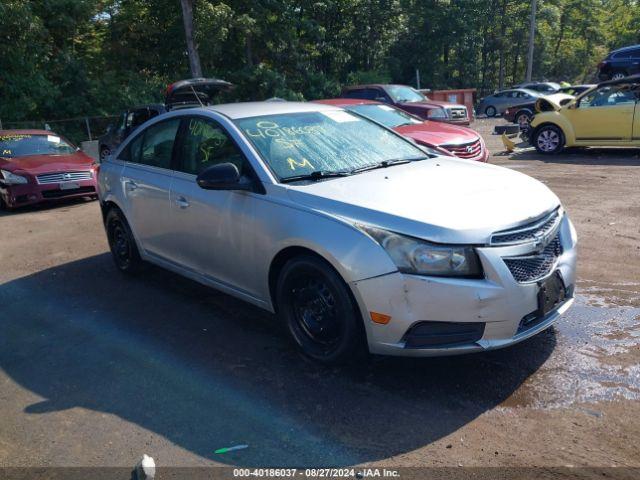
(603, 116)
(634, 61)
(212, 229)
(146, 185)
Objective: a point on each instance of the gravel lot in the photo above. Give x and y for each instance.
(97, 368)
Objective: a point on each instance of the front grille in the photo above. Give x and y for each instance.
(67, 193)
(535, 266)
(465, 150)
(60, 177)
(528, 233)
(443, 334)
(457, 113)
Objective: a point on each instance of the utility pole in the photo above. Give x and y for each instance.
(532, 35)
(192, 48)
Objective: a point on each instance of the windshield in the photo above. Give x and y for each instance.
(402, 93)
(388, 116)
(22, 144)
(302, 143)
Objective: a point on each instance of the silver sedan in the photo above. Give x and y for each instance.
(358, 239)
(497, 103)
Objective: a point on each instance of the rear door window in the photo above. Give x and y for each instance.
(157, 144)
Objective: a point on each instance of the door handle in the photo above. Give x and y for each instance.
(130, 185)
(182, 202)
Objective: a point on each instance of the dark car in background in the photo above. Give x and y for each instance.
(496, 104)
(127, 122)
(576, 90)
(183, 93)
(411, 101)
(620, 63)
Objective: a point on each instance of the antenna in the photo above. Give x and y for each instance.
(196, 94)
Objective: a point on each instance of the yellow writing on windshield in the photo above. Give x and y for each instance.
(265, 129)
(14, 137)
(293, 164)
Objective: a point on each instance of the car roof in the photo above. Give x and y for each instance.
(27, 132)
(629, 47)
(257, 109)
(343, 102)
(629, 79)
(375, 85)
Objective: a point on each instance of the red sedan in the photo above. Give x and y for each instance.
(455, 140)
(38, 165)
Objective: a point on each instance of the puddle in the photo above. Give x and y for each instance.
(613, 294)
(597, 358)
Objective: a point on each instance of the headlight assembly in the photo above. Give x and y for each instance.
(412, 255)
(9, 178)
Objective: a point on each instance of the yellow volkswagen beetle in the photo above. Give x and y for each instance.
(604, 116)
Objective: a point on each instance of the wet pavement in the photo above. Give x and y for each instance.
(97, 368)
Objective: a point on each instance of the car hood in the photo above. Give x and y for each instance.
(553, 102)
(437, 133)
(444, 200)
(419, 106)
(37, 164)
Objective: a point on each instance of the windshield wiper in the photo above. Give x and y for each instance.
(386, 163)
(317, 175)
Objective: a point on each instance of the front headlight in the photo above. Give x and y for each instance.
(9, 178)
(412, 255)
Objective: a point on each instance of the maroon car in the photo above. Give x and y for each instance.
(38, 165)
(410, 100)
(454, 140)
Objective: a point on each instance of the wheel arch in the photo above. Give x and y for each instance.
(564, 127)
(283, 256)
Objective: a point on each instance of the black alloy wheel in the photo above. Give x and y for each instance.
(317, 307)
(121, 242)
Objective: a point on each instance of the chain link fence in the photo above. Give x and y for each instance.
(77, 130)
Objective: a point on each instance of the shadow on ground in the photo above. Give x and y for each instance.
(41, 207)
(584, 156)
(206, 371)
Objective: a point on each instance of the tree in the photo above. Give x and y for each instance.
(192, 48)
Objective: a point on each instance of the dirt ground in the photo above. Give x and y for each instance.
(97, 368)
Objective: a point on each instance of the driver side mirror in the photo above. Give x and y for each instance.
(223, 176)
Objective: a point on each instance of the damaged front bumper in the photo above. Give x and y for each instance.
(468, 315)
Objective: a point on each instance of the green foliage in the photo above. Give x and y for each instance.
(70, 58)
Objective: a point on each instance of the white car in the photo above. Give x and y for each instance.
(357, 238)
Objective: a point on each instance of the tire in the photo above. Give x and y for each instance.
(121, 242)
(490, 111)
(618, 75)
(104, 153)
(548, 139)
(523, 118)
(321, 316)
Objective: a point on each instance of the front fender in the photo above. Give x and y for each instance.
(353, 254)
(557, 119)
